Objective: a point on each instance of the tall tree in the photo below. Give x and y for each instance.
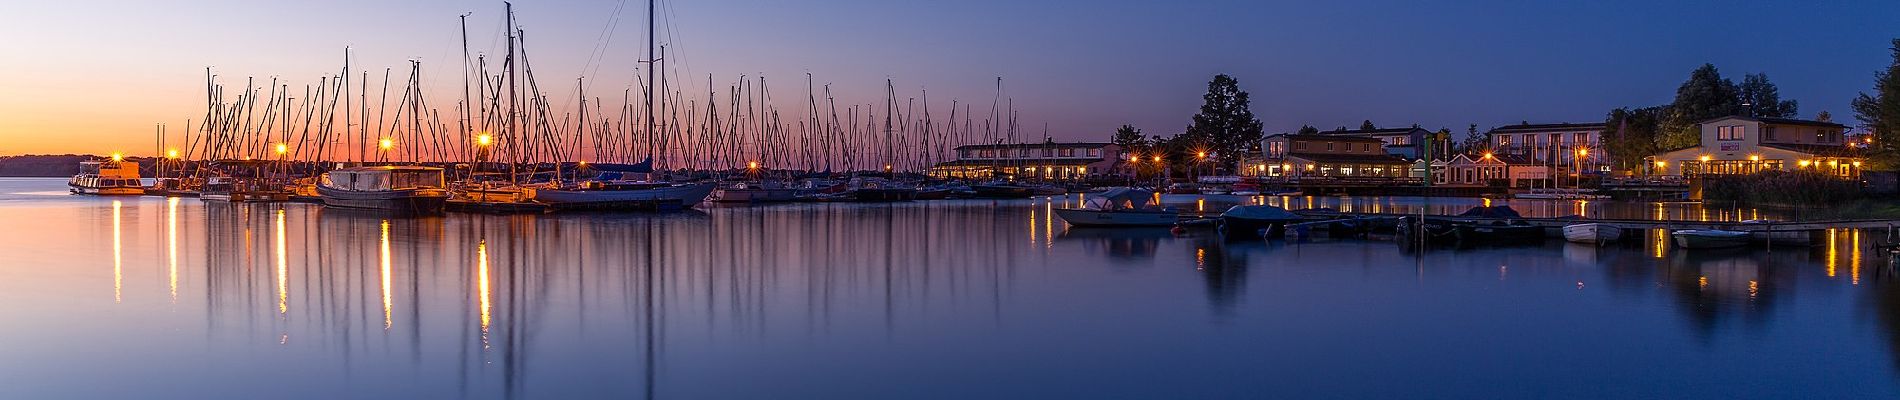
(1824, 116)
(1306, 130)
(1474, 142)
(1226, 124)
(1129, 138)
(1705, 95)
(1630, 134)
(1763, 100)
(1879, 113)
(1367, 125)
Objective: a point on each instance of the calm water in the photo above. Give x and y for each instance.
(167, 298)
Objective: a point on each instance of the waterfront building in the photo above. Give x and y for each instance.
(1308, 155)
(1049, 160)
(1559, 144)
(1412, 143)
(1742, 145)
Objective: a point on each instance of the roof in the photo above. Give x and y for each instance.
(1376, 132)
(1777, 121)
(1519, 128)
(1019, 162)
(1349, 158)
(1033, 145)
(1330, 137)
(1816, 149)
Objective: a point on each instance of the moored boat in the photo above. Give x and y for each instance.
(1001, 191)
(107, 178)
(391, 188)
(1709, 238)
(618, 195)
(1592, 233)
(753, 192)
(1119, 208)
(1256, 221)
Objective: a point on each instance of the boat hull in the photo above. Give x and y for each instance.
(1592, 233)
(753, 195)
(108, 191)
(1100, 218)
(1001, 192)
(676, 196)
(1709, 239)
(416, 201)
(879, 195)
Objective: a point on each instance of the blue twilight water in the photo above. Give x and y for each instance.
(167, 298)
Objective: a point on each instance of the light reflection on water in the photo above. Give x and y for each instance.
(938, 299)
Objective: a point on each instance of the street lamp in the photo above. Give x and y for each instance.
(117, 157)
(484, 139)
(386, 144)
(283, 149)
(172, 154)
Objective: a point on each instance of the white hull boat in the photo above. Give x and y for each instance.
(1104, 218)
(1592, 233)
(626, 196)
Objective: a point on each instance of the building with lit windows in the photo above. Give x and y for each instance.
(1553, 144)
(1047, 160)
(1742, 145)
(1309, 155)
(1412, 143)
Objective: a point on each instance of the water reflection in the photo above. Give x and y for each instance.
(838, 300)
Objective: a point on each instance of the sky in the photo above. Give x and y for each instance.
(99, 76)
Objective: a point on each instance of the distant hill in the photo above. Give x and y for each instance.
(63, 165)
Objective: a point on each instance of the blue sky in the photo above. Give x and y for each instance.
(105, 72)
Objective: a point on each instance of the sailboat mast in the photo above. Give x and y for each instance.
(652, 69)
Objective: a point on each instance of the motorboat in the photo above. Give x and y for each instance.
(878, 190)
(1709, 238)
(1121, 207)
(1497, 225)
(753, 192)
(1001, 190)
(107, 178)
(624, 195)
(1256, 221)
(1592, 233)
(405, 189)
(243, 190)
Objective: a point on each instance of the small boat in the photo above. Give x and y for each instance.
(419, 190)
(1120, 208)
(624, 195)
(1709, 238)
(1498, 225)
(878, 190)
(753, 192)
(107, 178)
(1000, 190)
(236, 190)
(1592, 233)
(1256, 221)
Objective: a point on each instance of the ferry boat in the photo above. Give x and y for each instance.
(392, 188)
(109, 178)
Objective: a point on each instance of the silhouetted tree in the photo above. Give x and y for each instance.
(1630, 134)
(1367, 125)
(1879, 113)
(1129, 138)
(1226, 124)
(1763, 99)
(1474, 142)
(1824, 116)
(1307, 130)
(1705, 95)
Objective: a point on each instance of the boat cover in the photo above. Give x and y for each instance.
(1260, 212)
(1123, 198)
(1491, 212)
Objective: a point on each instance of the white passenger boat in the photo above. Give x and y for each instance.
(1121, 207)
(108, 178)
(1709, 238)
(1592, 233)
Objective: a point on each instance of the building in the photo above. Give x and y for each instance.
(1047, 160)
(1412, 143)
(1304, 155)
(1741, 145)
(1553, 144)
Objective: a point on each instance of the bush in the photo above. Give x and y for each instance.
(1781, 187)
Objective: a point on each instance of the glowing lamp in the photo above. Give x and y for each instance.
(172, 154)
(484, 139)
(1831, 163)
(1157, 158)
(386, 144)
(752, 165)
(1705, 158)
(1662, 164)
(116, 157)
(1200, 154)
(1856, 164)
(1752, 157)
(1804, 163)
(282, 148)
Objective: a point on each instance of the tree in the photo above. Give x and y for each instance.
(1824, 116)
(1705, 95)
(1879, 113)
(1474, 142)
(1367, 125)
(1129, 138)
(1630, 134)
(1226, 124)
(1763, 99)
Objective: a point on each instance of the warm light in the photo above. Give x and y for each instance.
(484, 139)
(1705, 158)
(1662, 164)
(1804, 163)
(116, 157)
(1286, 166)
(1201, 154)
(1309, 167)
(1157, 158)
(752, 165)
(887, 167)
(1856, 164)
(1583, 152)
(282, 148)
(1487, 154)
(1832, 163)
(172, 154)
(388, 294)
(1081, 170)
(386, 144)
(1752, 157)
